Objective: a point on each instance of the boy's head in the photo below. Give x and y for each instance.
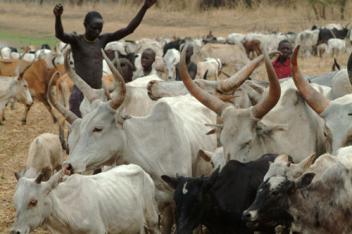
(285, 48)
(93, 22)
(148, 58)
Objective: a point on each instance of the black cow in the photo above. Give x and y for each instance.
(326, 34)
(271, 204)
(218, 201)
(176, 44)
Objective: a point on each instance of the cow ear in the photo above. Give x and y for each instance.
(39, 178)
(46, 173)
(212, 131)
(171, 181)
(204, 155)
(305, 180)
(18, 175)
(53, 181)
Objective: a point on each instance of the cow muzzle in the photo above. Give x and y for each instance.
(19, 231)
(250, 217)
(67, 169)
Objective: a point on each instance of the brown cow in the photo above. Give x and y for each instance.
(252, 48)
(8, 67)
(38, 77)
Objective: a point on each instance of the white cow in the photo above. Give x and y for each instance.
(336, 113)
(230, 55)
(209, 69)
(45, 155)
(307, 39)
(167, 140)
(235, 38)
(336, 46)
(171, 58)
(13, 88)
(120, 200)
(5, 52)
(250, 132)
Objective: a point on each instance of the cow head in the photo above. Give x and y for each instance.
(23, 94)
(98, 138)
(271, 205)
(95, 140)
(32, 202)
(171, 58)
(192, 198)
(242, 129)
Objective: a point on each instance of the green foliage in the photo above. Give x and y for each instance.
(17, 39)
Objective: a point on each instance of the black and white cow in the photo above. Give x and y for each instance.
(218, 201)
(316, 200)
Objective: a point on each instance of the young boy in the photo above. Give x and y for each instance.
(147, 60)
(282, 64)
(86, 48)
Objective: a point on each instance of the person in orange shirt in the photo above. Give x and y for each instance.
(282, 63)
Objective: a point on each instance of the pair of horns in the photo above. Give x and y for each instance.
(87, 91)
(217, 105)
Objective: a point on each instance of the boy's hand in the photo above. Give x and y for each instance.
(149, 3)
(58, 10)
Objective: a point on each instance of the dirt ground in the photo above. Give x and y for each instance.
(15, 138)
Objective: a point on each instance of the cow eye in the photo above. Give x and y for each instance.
(275, 193)
(32, 203)
(97, 129)
(245, 144)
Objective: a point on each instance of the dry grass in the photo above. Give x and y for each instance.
(32, 20)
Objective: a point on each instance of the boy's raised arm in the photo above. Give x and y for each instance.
(59, 30)
(123, 32)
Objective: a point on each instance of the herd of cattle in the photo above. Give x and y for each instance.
(232, 155)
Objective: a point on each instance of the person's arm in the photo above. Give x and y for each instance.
(59, 30)
(123, 32)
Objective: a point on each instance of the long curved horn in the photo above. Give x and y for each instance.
(121, 87)
(314, 99)
(349, 68)
(237, 79)
(69, 116)
(264, 106)
(87, 91)
(210, 101)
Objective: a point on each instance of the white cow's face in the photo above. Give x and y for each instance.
(338, 120)
(95, 140)
(31, 203)
(22, 92)
(238, 133)
(171, 58)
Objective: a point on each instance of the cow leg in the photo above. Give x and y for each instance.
(24, 119)
(167, 220)
(47, 105)
(2, 116)
(12, 104)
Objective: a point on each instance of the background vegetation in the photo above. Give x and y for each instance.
(321, 8)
